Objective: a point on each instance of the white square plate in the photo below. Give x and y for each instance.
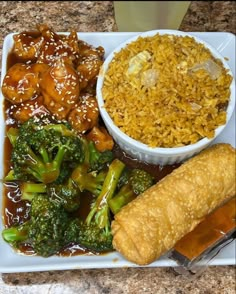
(10, 261)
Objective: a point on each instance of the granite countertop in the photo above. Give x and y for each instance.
(99, 16)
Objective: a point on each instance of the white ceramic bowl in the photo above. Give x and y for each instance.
(136, 149)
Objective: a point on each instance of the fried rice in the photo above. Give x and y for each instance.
(166, 91)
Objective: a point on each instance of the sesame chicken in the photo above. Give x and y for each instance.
(26, 47)
(25, 110)
(86, 50)
(85, 115)
(56, 46)
(60, 88)
(39, 69)
(73, 42)
(88, 71)
(55, 74)
(102, 140)
(20, 83)
(90, 62)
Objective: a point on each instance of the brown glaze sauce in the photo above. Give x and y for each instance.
(16, 211)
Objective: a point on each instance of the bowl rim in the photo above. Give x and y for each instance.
(139, 146)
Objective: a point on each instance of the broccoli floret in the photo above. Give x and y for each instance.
(91, 181)
(67, 195)
(95, 232)
(45, 229)
(48, 224)
(40, 150)
(100, 212)
(89, 236)
(138, 182)
(98, 160)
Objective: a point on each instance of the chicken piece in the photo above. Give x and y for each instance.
(72, 41)
(88, 71)
(90, 61)
(40, 69)
(102, 140)
(26, 110)
(85, 115)
(60, 89)
(56, 47)
(86, 50)
(26, 46)
(20, 83)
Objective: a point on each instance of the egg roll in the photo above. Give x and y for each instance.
(151, 225)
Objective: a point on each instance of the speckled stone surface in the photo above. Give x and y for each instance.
(216, 280)
(99, 16)
(210, 16)
(83, 16)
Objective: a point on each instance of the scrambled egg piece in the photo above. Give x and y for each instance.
(137, 62)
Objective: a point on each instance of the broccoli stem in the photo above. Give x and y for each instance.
(45, 172)
(29, 190)
(123, 197)
(88, 181)
(12, 135)
(93, 152)
(93, 184)
(85, 180)
(16, 234)
(43, 152)
(100, 209)
(10, 176)
(35, 166)
(52, 169)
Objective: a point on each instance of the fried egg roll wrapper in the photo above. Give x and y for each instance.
(150, 225)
